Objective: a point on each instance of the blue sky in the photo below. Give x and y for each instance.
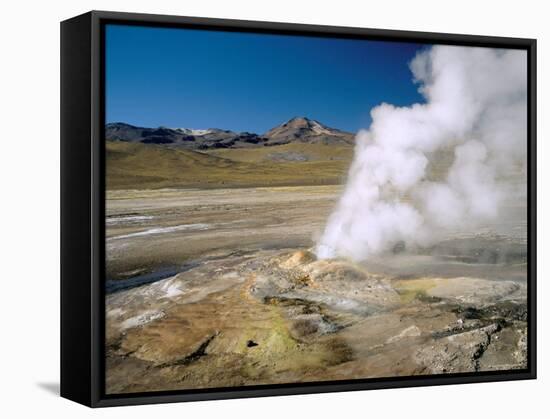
(250, 82)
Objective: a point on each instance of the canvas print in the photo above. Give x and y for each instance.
(287, 209)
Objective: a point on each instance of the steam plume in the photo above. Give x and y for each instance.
(399, 189)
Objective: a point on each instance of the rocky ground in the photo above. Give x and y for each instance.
(250, 303)
(283, 316)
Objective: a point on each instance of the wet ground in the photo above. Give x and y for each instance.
(219, 288)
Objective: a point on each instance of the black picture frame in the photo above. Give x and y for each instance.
(83, 208)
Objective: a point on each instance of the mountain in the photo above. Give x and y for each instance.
(305, 130)
(296, 130)
(182, 137)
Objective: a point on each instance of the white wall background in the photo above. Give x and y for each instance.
(29, 233)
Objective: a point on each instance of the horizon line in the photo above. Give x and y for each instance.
(224, 129)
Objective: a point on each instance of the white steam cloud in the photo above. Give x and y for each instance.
(400, 189)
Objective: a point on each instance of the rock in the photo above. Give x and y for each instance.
(473, 291)
(411, 331)
(508, 350)
(456, 353)
(339, 285)
(299, 258)
(141, 319)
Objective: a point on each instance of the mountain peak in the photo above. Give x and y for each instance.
(306, 130)
(298, 121)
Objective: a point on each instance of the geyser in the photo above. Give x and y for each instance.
(476, 112)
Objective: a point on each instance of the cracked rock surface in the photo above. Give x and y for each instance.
(281, 316)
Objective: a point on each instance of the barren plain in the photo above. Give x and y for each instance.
(216, 287)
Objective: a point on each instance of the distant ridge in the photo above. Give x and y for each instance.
(298, 129)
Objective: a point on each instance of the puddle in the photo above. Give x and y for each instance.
(163, 230)
(112, 286)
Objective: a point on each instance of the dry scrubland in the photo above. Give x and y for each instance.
(143, 166)
(212, 282)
